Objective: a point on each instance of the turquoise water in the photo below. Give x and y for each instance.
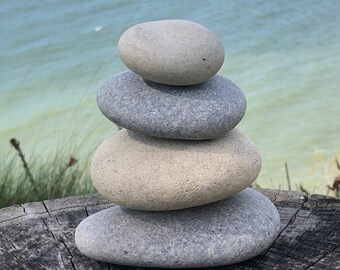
(284, 55)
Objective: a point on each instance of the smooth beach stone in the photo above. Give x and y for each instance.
(221, 233)
(174, 52)
(199, 112)
(147, 173)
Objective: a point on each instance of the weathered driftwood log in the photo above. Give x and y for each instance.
(40, 235)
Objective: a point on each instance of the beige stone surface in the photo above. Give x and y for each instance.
(174, 52)
(148, 173)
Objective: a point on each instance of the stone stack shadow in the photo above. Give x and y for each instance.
(179, 171)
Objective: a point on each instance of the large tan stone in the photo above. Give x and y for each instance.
(147, 173)
(174, 52)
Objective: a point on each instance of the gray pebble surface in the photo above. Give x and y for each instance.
(205, 111)
(220, 233)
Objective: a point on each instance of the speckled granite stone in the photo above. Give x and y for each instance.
(199, 112)
(220, 233)
(147, 173)
(174, 52)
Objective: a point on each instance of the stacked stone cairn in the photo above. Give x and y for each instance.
(179, 172)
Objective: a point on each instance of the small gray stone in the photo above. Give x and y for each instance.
(220, 233)
(174, 52)
(147, 173)
(199, 112)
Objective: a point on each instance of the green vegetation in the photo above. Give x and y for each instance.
(36, 179)
(328, 184)
(327, 166)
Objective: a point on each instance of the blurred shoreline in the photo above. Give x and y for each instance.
(283, 55)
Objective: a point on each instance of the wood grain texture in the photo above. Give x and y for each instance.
(40, 235)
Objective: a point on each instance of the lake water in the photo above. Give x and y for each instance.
(284, 55)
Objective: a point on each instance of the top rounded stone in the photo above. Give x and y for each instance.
(173, 52)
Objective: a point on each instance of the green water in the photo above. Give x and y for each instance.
(284, 55)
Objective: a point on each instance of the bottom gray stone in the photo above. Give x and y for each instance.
(220, 233)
